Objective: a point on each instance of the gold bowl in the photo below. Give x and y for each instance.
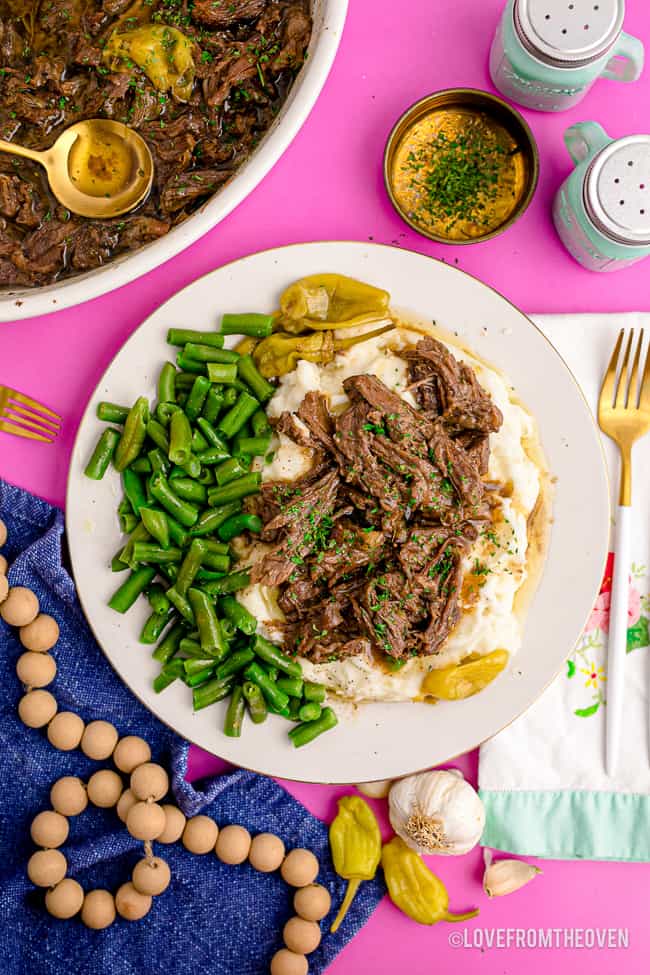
(452, 109)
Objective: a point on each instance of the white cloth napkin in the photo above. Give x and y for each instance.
(543, 779)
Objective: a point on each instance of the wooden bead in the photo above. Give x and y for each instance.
(312, 902)
(65, 900)
(300, 868)
(285, 962)
(131, 752)
(41, 634)
(145, 821)
(131, 904)
(3, 532)
(301, 936)
(45, 868)
(174, 824)
(4, 565)
(266, 852)
(49, 829)
(98, 911)
(104, 788)
(68, 796)
(124, 803)
(36, 669)
(98, 740)
(4, 587)
(151, 876)
(149, 781)
(20, 607)
(37, 708)
(233, 844)
(65, 731)
(200, 834)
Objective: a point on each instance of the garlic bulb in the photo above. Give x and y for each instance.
(436, 812)
(375, 790)
(506, 876)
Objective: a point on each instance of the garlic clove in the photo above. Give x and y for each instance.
(506, 876)
(375, 790)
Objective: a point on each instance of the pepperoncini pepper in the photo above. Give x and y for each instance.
(414, 888)
(325, 301)
(466, 678)
(355, 843)
(280, 352)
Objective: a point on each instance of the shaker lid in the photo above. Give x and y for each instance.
(568, 32)
(617, 190)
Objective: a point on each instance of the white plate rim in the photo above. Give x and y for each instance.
(276, 254)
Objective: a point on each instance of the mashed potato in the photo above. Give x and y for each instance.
(496, 569)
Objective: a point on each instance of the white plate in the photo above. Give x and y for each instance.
(374, 741)
(329, 18)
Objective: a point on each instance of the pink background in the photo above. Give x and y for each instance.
(329, 186)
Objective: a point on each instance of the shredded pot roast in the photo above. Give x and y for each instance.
(201, 80)
(368, 546)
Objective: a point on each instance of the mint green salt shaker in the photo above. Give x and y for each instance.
(602, 210)
(546, 54)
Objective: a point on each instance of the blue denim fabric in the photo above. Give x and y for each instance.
(213, 918)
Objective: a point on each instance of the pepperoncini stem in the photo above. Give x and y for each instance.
(340, 344)
(353, 886)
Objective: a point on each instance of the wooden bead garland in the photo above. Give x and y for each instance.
(137, 806)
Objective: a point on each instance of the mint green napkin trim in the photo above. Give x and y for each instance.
(568, 825)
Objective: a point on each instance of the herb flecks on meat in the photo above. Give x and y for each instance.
(369, 545)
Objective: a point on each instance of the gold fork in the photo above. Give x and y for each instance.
(25, 417)
(624, 415)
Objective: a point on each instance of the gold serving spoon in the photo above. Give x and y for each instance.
(96, 168)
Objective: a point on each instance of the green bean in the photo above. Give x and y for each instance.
(191, 648)
(302, 734)
(222, 372)
(181, 604)
(158, 600)
(180, 438)
(169, 571)
(211, 436)
(210, 635)
(199, 443)
(183, 511)
(275, 697)
(229, 583)
(128, 521)
(139, 534)
(155, 521)
(158, 434)
(117, 565)
(177, 533)
(158, 461)
(184, 381)
(229, 470)
(212, 406)
(243, 408)
(167, 383)
(208, 575)
(252, 446)
(124, 597)
(216, 561)
(229, 396)
(229, 630)
(220, 548)
(235, 662)
(196, 665)
(111, 412)
(133, 434)
(260, 424)
(207, 353)
(235, 713)
(154, 627)
(259, 326)
(124, 507)
(213, 455)
(191, 365)
(314, 692)
(168, 675)
(101, 456)
(210, 520)
(235, 490)
(191, 565)
(273, 672)
(255, 701)
(238, 614)
(206, 477)
(169, 645)
(237, 524)
(190, 490)
(134, 489)
(181, 336)
(310, 711)
(147, 552)
(211, 692)
(141, 466)
(290, 685)
(294, 709)
(261, 387)
(192, 467)
(272, 654)
(200, 677)
(197, 397)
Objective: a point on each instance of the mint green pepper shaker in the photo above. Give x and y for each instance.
(547, 54)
